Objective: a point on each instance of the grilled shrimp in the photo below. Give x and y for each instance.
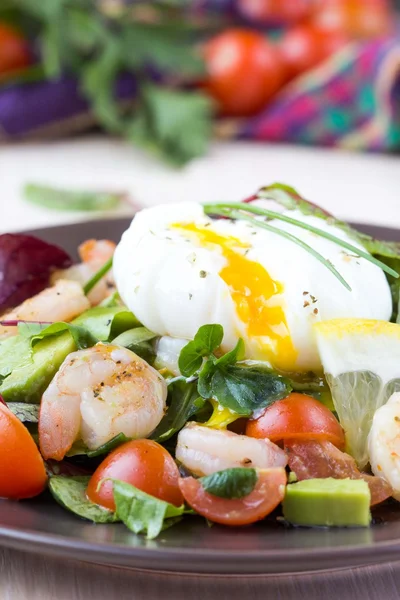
(61, 302)
(203, 450)
(93, 253)
(97, 394)
(384, 443)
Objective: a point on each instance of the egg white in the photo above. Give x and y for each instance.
(172, 283)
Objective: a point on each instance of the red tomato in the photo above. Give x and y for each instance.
(142, 463)
(14, 50)
(244, 71)
(356, 18)
(267, 494)
(279, 12)
(298, 417)
(22, 471)
(305, 46)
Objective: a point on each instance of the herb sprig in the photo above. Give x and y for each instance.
(240, 210)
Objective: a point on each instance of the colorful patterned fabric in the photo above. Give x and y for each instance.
(351, 101)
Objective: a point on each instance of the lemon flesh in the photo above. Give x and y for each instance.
(361, 361)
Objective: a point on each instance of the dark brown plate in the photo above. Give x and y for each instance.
(42, 526)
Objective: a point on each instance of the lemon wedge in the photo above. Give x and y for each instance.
(361, 361)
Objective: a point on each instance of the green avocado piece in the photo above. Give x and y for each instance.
(328, 502)
(27, 382)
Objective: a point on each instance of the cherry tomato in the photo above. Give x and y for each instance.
(356, 18)
(305, 46)
(14, 50)
(244, 71)
(276, 12)
(267, 494)
(297, 417)
(22, 471)
(142, 463)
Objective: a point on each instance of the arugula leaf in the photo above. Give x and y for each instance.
(61, 199)
(207, 339)
(82, 337)
(70, 492)
(184, 402)
(27, 413)
(233, 483)
(138, 341)
(79, 448)
(143, 513)
(175, 124)
(107, 322)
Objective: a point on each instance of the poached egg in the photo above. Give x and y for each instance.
(177, 269)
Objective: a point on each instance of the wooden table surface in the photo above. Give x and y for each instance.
(44, 578)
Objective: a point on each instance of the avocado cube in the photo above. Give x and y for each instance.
(27, 382)
(328, 502)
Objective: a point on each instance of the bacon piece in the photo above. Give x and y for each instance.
(318, 460)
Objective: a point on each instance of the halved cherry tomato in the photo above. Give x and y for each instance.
(305, 46)
(298, 417)
(244, 71)
(275, 12)
(142, 463)
(14, 50)
(269, 491)
(22, 471)
(356, 18)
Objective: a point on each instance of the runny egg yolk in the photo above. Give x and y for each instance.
(254, 294)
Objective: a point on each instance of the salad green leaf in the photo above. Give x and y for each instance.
(244, 389)
(61, 199)
(230, 483)
(138, 341)
(79, 448)
(107, 322)
(143, 513)
(27, 413)
(207, 339)
(82, 337)
(70, 492)
(184, 402)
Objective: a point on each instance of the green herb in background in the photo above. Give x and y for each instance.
(99, 43)
(61, 199)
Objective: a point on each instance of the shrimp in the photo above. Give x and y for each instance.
(384, 443)
(93, 253)
(203, 450)
(61, 302)
(97, 394)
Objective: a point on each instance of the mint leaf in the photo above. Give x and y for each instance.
(143, 513)
(231, 483)
(70, 492)
(175, 124)
(183, 404)
(207, 339)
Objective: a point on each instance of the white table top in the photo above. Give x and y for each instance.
(358, 187)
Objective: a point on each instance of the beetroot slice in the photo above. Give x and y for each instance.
(26, 263)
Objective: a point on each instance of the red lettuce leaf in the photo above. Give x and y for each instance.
(26, 264)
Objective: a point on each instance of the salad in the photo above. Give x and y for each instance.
(235, 361)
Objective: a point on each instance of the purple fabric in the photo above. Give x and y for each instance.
(25, 109)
